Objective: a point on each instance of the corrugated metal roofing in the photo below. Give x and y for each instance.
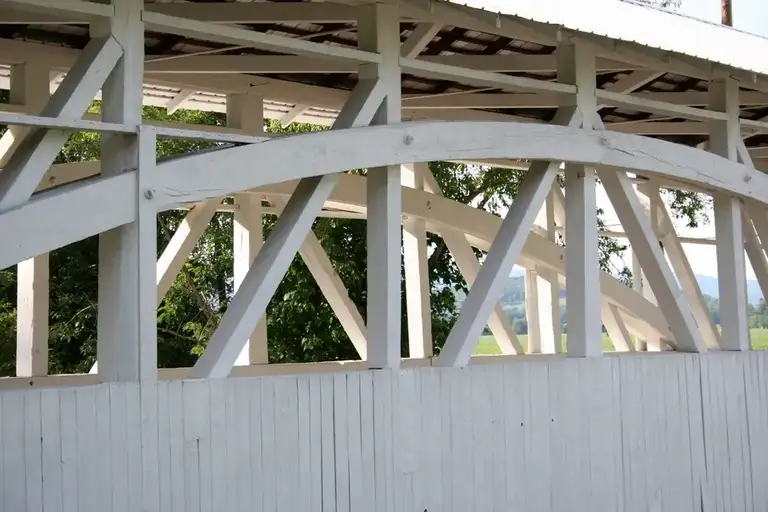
(644, 24)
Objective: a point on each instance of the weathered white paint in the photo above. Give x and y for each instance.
(643, 238)
(542, 299)
(273, 260)
(731, 266)
(127, 287)
(29, 87)
(245, 111)
(635, 433)
(576, 65)
(502, 256)
(27, 165)
(319, 153)
(673, 249)
(415, 264)
(379, 31)
(465, 258)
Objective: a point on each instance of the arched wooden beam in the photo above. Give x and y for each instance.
(219, 173)
(67, 214)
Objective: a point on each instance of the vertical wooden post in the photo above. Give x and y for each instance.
(127, 333)
(731, 267)
(649, 199)
(379, 31)
(542, 305)
(576, 65)
(416, 271)
(246, 111)
(30, 86)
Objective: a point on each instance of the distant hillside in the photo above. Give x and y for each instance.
(514, 290)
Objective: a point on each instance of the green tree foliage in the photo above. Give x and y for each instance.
(301, 325)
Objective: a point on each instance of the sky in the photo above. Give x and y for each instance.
(750, 16)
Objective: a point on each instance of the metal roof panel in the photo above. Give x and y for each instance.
(643, 24)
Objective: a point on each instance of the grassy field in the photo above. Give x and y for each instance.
(487, 344)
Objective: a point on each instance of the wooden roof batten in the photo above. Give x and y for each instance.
(474, 63)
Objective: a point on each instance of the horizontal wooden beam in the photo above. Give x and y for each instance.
(241, 36)
(68, 8)
(481, 78)
(636, 101)
(278, 12)
(293, 64)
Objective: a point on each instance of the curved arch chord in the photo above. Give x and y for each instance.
(200, 177)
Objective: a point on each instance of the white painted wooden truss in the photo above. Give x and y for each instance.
(300, 175)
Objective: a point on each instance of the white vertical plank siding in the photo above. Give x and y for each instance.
(637, 433)
(103, 484)
(176, 447)
(256, 483)
(305, 452)
(14, 495)
(354, 443)
(193, 431)
(235, 452)
(340, 441)
(165, 483)
(68, 461)
(268, 452)
(218, 443)
(367, 440)
(85, 411)
(239, 442)
(315, 433)
(33, 451)
(286, 445)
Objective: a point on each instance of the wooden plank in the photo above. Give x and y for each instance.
(482, 439)
(268, 452)
(33, 450)
(102, 442)
(304, 446)
(315, 444)
(379, 23)
(341, 448)
(258, 469)
(118, 441)
(327, 443)
(85, 412)
(177, 447)
(355, 447)
(164, 456)
(11, 435)
(286, 467)
(431, 438)
(52, 490)
(68, 461)
(367, 406)
(219, 464)
(415, 261)
(193, 430)
(240, 442)
(133, 445)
